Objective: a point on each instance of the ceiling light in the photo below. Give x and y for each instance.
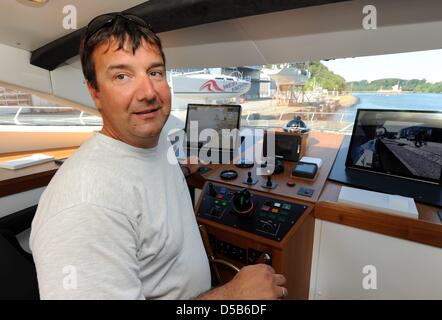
(33, 3)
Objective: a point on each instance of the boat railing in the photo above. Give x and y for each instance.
(328, 121)
(237, 74)
(24, 114)
(181, 73)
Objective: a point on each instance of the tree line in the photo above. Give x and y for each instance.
(322, 77)
(414, 85)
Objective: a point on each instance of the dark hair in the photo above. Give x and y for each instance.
(121, 30)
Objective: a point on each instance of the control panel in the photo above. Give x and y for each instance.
(249, 211)
(244, 255)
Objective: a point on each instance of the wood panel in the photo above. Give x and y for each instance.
(291, 256)
(423, 230)
(426, 212)
(20, 180)
(297, 259)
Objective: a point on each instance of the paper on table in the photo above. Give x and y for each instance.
(26, 161)
(378, 201)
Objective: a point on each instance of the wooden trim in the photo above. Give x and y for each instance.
(26, 183)
(21, 180)
(417, 230)
(58, 153)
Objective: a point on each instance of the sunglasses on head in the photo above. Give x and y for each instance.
(108, 19)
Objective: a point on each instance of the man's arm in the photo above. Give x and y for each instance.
(255, 282)
(87, 252)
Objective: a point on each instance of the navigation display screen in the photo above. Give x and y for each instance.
(395, 142)
(216, 117)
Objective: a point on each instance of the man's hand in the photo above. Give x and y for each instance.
(254, 282)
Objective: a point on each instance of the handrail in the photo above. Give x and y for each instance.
(313, 113)
(36, 107)
(81, 117)
(16, 116)
(311, 116)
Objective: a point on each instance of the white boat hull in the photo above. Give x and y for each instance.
(188, 87)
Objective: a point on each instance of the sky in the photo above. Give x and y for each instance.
(412, 65)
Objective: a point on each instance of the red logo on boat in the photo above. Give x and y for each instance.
(211, 86)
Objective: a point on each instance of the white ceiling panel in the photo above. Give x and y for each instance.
(30, 28)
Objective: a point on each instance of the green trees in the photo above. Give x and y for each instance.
(323, 77)
(413, 85)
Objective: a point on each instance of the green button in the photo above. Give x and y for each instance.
(286, 206)
(216, 201)
(223, 203)
(262, 214)
(282, 219)
(284, 212)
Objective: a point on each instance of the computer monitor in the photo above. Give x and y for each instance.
(216, 117)
(401, 143)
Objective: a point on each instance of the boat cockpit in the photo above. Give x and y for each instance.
(304, 187)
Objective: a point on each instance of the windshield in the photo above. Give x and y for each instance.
(325, 95)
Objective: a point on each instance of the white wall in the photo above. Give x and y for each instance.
(405, 269)
(68, 82)
(16, 69)
(19, 201)
(65, 85)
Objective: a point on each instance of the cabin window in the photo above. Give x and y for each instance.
(19, 108)
(325, 94)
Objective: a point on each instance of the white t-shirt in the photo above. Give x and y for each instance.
(117, 222)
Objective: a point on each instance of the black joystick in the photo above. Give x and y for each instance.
(242, 202)
(212, 190)
(270, 184)
(249, 177)
(250, 181)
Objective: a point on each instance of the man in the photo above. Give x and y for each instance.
(116, 221)
(419, 138)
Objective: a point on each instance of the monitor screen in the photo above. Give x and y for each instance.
(287, 146)
(401, 143)
(216, 117)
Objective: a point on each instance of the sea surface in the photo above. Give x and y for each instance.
(374, 100)
(403, 101)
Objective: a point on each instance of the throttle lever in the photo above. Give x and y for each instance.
(265, 259)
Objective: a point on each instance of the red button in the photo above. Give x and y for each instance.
(265, 208)
(291, 183)
(220, 196)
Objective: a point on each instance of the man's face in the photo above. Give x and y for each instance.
(133, 95)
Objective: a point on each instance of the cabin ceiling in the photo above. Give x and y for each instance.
(169, 15)
(29, 28)
(311, 33)
(195, 33)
